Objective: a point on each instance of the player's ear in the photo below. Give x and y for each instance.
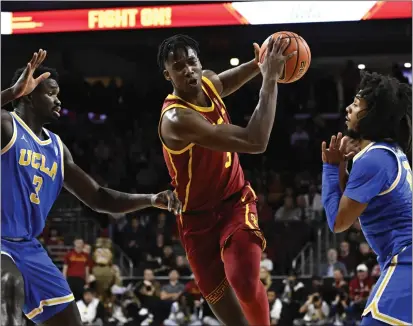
(166, 75)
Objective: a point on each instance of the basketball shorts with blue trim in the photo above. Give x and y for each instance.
(390, 302)
(46, 290)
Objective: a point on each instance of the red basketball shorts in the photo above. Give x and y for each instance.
(205, 234)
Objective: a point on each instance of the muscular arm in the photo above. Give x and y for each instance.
(98, 198)
(7, 96)
(229, 81)
(190, 127)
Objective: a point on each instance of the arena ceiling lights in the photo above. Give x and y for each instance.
(196, 15)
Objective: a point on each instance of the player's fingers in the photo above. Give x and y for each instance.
(42, 77)
(332, 142)
(323, 157)
(289, 56)
(38, 59)
(284, 45)
(323, 146)
(349, 155)
(256, 48)
(41, 58)
(338, 140)
(277, 44)
(33, 60)
(270, 45)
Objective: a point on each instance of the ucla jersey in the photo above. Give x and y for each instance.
(32, 177)
(387, 220)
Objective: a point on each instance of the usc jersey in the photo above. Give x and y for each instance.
(202, 177)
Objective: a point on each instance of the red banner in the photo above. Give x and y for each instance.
(124, 18)
(195, 15)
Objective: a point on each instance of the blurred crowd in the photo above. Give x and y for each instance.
(110, 126)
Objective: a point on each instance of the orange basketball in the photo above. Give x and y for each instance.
(297, 66)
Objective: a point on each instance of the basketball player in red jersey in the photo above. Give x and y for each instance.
(218, 225)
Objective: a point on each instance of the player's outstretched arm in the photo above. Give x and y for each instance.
(190, 127)
(105, 200)
(26, 83)
(229, 81)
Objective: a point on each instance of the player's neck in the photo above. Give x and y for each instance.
(197, 97)
(364, 143)
(31, 121)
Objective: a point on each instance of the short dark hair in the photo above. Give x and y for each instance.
(39, 71)
(174, 43)
(389, 106)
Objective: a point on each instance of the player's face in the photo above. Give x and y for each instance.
(184, 70)
(44, 100)
(355, 112)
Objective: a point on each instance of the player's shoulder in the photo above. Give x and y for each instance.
(6, 117)
(377, 157)
(212, 80)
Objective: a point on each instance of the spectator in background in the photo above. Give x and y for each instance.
(148, 291)
(266, 262)
(360, 288)
(265, 278)
(76, 268)
(316, 311)
(275, 306)
(182, 267)
(54, 238)
(313, 201)
(300, 137)
(332, 264)
(366, 256)
(168, 261)
(288, 212)
(92, 311)
(134, 238)
(302, 207)
(183, 312)
(347, 258)
(173, 289)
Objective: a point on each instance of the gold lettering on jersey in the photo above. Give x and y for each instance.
(37, 161)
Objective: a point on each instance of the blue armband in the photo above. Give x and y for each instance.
(331, 193)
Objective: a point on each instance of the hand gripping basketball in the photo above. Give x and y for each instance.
(273, 65)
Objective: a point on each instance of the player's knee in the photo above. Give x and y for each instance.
(245, 286)
(12, 287)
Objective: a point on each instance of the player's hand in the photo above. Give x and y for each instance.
(167, 200)
(26, 83)
(350, 147)
(336, 151)
(273, 65)
(257, 53)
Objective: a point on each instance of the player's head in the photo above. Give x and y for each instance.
(179, 62)
(381, 111)
(43, 101)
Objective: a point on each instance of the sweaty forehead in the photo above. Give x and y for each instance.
(180, 54)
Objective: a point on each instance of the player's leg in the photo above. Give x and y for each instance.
(228, 310)
(12, 293)
(48, 299)
(242, 256)
(203, 252)
(69, 317)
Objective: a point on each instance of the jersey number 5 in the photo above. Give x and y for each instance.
(34, 196)
(409, 173)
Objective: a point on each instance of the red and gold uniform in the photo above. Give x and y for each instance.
(216, 199)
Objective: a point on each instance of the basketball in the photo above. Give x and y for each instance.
(297, 66)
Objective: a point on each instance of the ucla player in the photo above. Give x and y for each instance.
(35, 164)
(378, 191)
